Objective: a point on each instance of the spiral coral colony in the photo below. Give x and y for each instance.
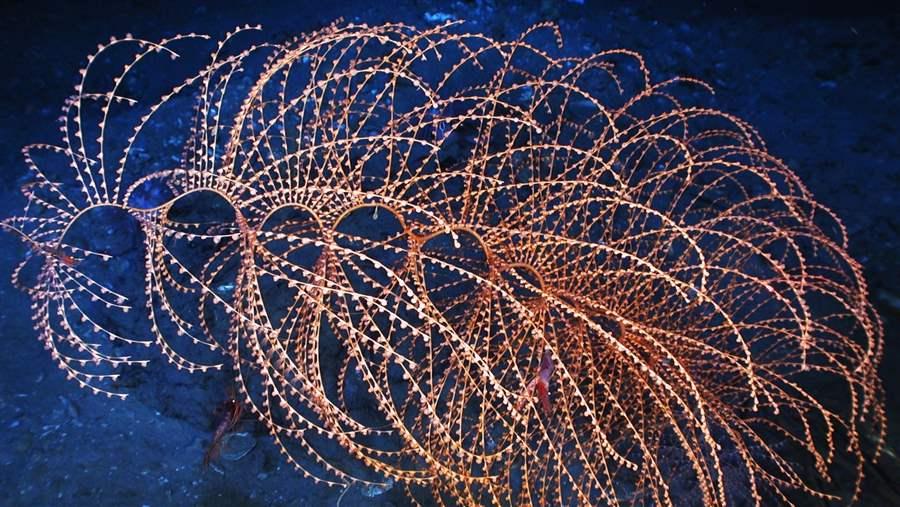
(479, 272)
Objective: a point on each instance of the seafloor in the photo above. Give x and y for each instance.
(821, 85)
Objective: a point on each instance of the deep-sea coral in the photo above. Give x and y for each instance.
(483, 272)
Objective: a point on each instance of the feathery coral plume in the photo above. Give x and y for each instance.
(477, 270)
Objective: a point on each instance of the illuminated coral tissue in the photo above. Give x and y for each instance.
(476, 271)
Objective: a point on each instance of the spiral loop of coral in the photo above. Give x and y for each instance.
(382, 231)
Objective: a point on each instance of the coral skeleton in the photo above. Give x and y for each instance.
(475, 271)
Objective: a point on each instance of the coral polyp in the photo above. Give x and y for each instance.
(482, 272)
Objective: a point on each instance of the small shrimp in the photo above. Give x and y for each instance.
(231, 414)
(55, 252)
(68, 260)
(58, 254)
(540, 385)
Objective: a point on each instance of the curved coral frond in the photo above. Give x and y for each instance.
(479, 269)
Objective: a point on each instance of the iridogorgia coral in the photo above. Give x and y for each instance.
(483, 272)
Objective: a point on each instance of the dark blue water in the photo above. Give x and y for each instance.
(821, 85)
